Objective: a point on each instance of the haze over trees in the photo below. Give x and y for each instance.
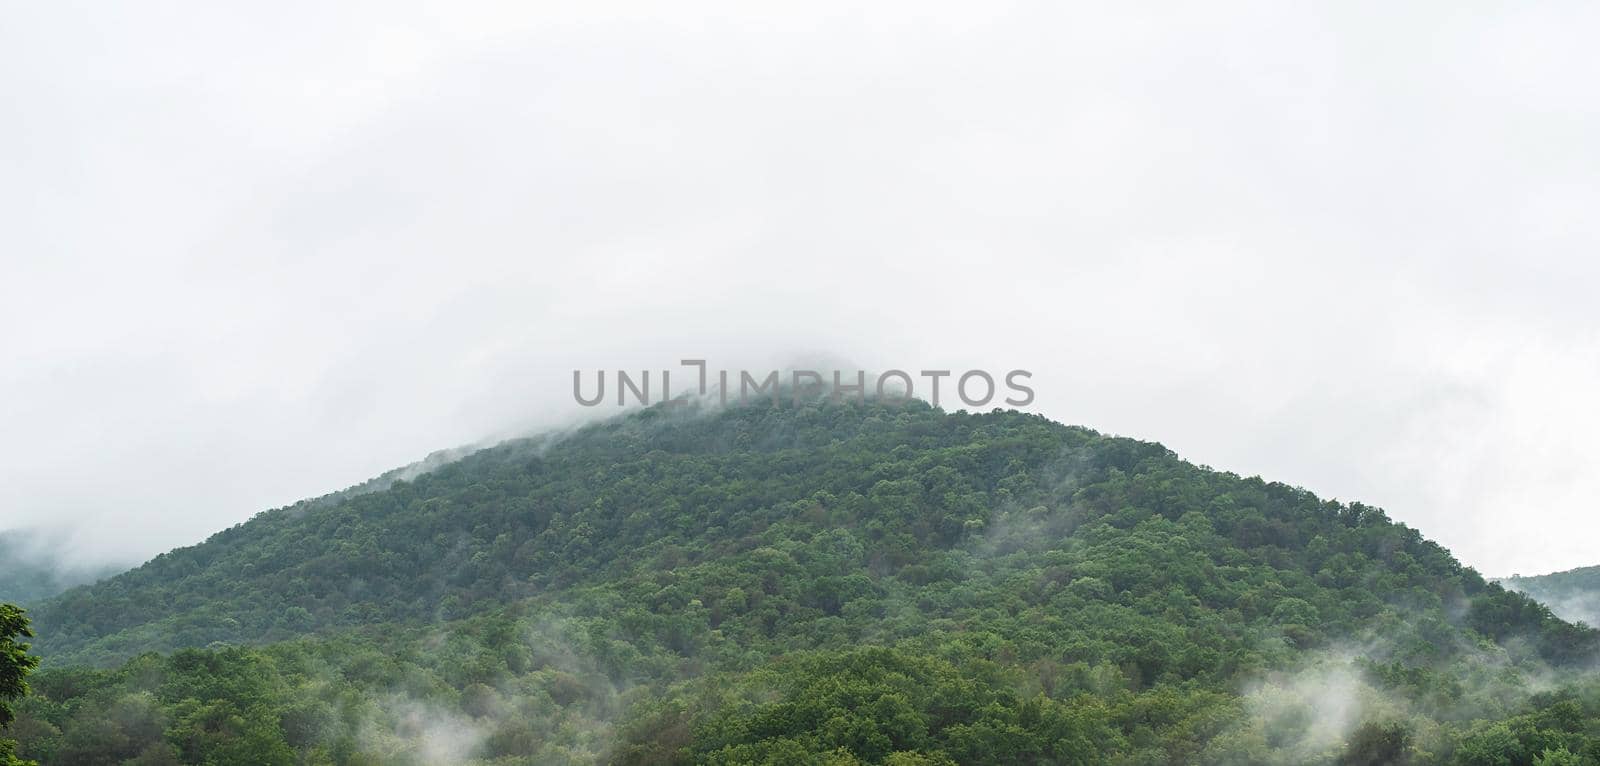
(39, 565)
(1573, 595)
(878, 583)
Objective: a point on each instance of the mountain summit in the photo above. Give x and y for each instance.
(878, 582)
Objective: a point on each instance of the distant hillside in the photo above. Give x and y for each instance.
(35, 565)
(1573, 595)
(828, 583)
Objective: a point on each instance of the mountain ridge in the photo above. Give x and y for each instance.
(1573, 594)
(718, 585)
(652, 433)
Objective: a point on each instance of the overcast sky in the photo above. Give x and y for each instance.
(254, 256)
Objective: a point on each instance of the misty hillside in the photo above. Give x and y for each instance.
(35, 566)
(1573, 595)
(663, 492)
(856, 583)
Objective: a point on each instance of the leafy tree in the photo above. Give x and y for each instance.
(1378, 744)
(15, 664)
(1557, 757)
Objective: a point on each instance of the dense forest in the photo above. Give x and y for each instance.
(823, 583)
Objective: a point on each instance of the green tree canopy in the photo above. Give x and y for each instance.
(15, 664)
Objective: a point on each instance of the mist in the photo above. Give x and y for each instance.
(41, 562)
(256, 256)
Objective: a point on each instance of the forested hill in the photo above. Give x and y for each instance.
(1573, 595)
(844, 583)
(910, 486)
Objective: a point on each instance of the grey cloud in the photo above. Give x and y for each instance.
(257, 256)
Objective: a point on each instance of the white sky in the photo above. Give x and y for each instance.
(253, 256)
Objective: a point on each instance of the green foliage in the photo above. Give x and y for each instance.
(878, 704)
(1378, 744)
(872, 584)
(15, 664)
(1557, 757)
